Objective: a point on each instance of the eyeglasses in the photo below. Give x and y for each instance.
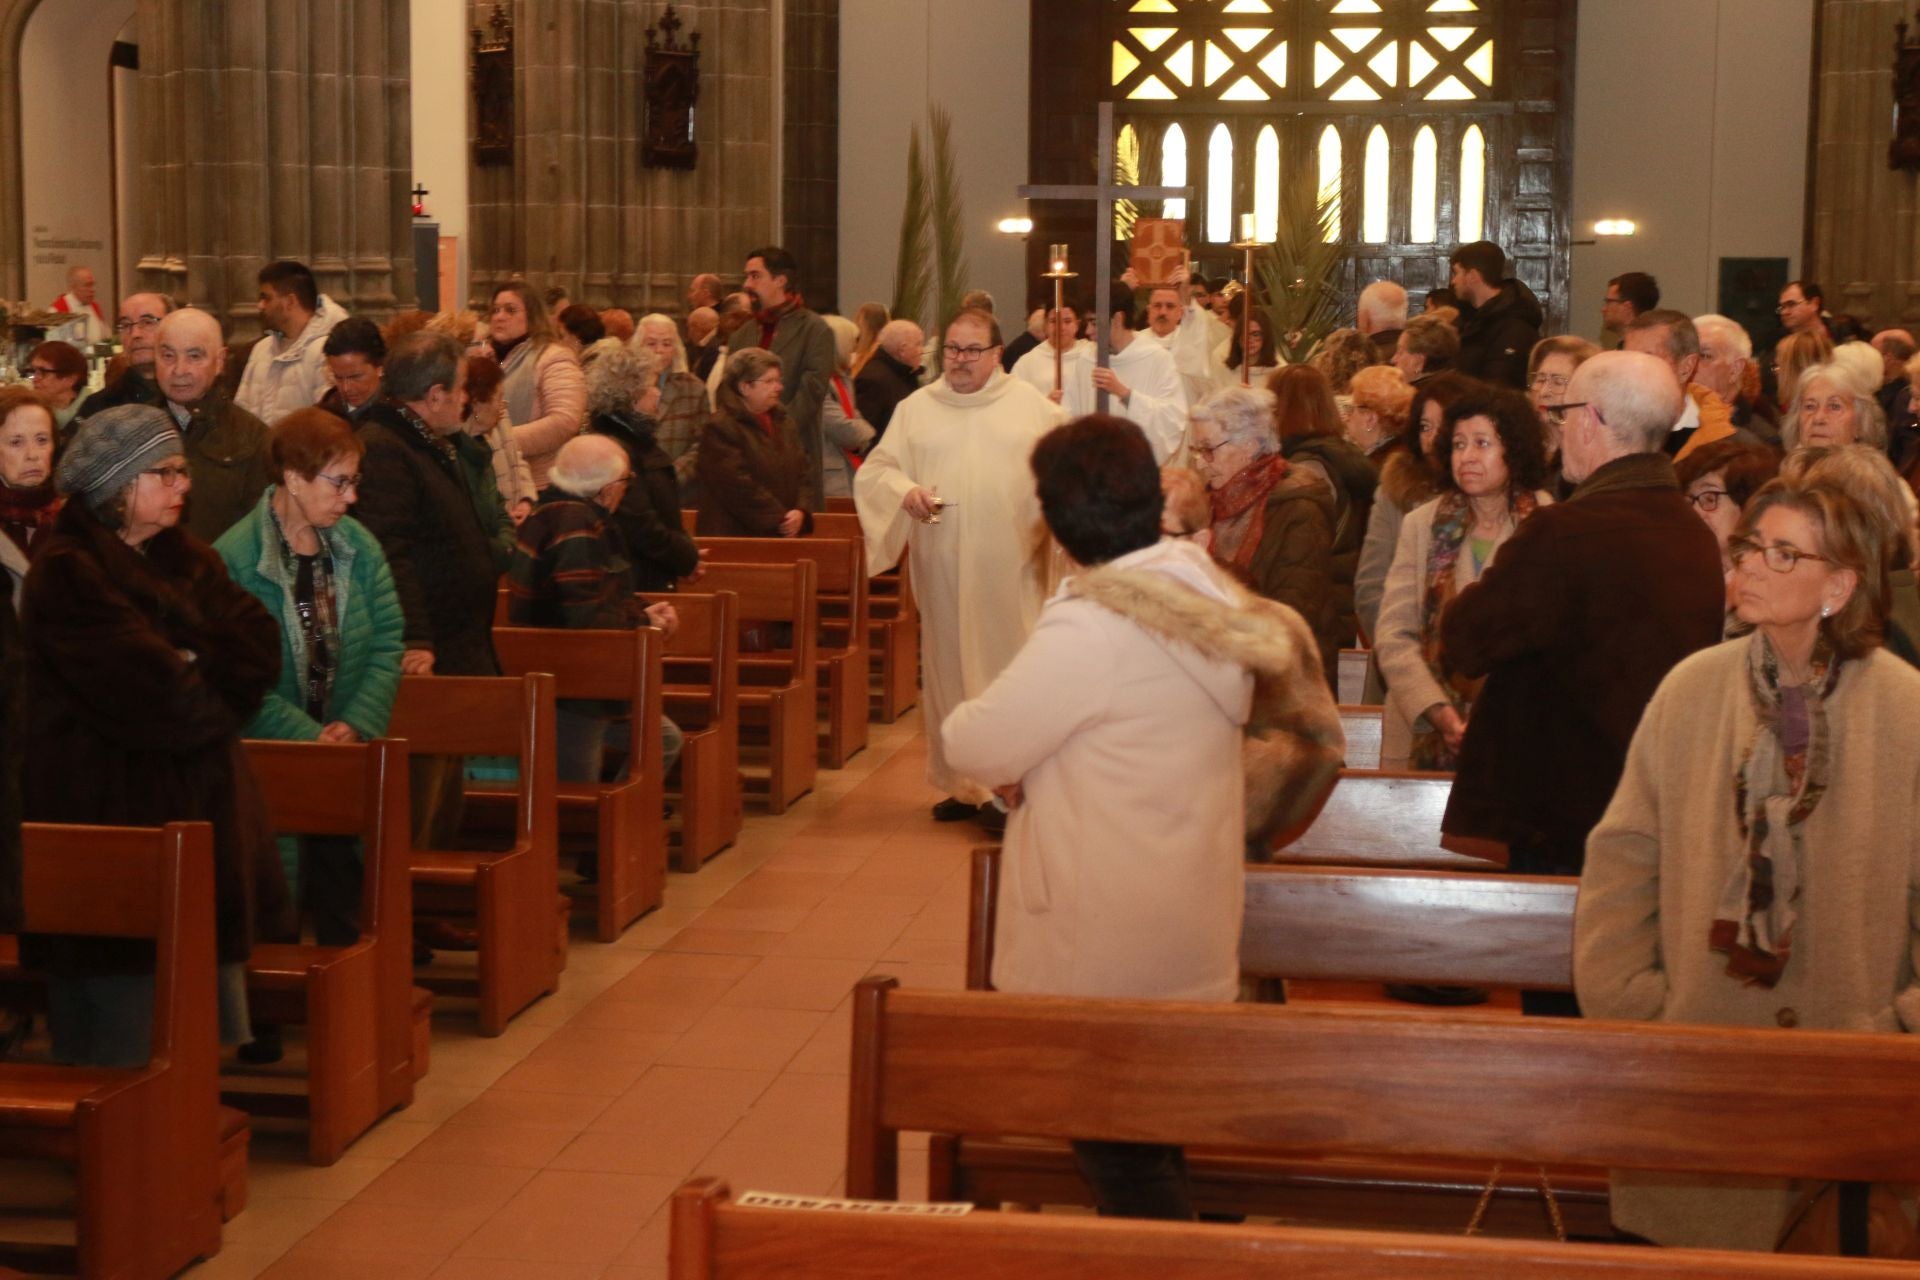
(38, 371)
(1779, 557)
(1552, 381)
(1611, 301)
(124, 325)
(340, 483)
(1557, 413)
(1792, 303)
(1208, 450)
(954, 351)
(1707, 499)
(169, 477)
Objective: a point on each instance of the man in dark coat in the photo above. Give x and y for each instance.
(138, 325)
(226, 446)
(1589, 605)
(1501, 321)
(782, 325)
(415, 498)
(891, 375)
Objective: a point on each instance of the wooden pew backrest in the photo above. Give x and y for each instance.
(1382, 818)
(715, 1238)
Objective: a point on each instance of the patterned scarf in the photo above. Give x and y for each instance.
(1773, 794)
(26, 514)
(1451, 524)
(1240, 511)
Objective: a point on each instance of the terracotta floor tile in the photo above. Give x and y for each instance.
(421, 1185)
(343, 1180)
(574, 1043)
(794, 1139)
(326, 1264)
(845, 931)
(756, 920)
(398, 1230)
(564, 1216)
(605, 1076)
(515, 1107)
(665, 1124)
(921, 976)
(926, 950)
(737, 942)
(526, 1146)
(649, 1248)
(833, 859)
(744, 1039)
(653, 1016)
(467, 1267)
(666, 964)
(779, 889)
(646, 983)
(829, 1051)
(796, 982)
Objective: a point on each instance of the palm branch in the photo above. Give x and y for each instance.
(947, 214)
(1298, 270)
(912, 274)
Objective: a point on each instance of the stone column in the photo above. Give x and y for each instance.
(1862, 234)
(275, 129)
(576, 207)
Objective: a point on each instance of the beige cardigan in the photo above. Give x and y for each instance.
(1655, 867)
(1411, 688)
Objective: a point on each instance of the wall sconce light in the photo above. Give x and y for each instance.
(1014, 226)
(1615, 227)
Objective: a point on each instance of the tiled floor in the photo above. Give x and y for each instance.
(711, 1038)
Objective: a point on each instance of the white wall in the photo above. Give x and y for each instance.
(440, 102)
(1690, 118)
(67, 144)
(897, 58)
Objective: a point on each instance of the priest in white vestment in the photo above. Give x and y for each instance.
(980, 563)
(1142, 383)
(1189, 332)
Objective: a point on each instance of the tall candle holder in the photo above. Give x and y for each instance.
(1247, 242)
(1057, 260)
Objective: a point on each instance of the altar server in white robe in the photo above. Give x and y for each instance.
(1141, 381)
(1063, 335)
(1190, 333)
(949, 485)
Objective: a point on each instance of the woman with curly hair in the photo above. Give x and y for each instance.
(1496, 464)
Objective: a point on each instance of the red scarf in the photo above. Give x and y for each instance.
(770, 321)
(1240, 511)
(27, 514)
(766, 422)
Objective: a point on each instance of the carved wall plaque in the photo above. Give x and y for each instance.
(493, 90)
(672, 81)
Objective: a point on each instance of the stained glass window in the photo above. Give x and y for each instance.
(1473, 184)
(1220, 185)
(1423, 224)
(1173, 166)
(1266, 185)
(1330, 177)
(1374, 199)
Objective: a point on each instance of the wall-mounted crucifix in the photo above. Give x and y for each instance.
(1105, 193)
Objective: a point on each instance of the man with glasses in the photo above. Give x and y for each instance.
(1590, 604)
(949, 486)
(1801, 307)
(1629, 297)
(1705, 418)
(226, 446)
(137, 325)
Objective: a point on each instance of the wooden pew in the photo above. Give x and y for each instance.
(356, 1001)
(840, 568)
(893, 628)
(144, 1141)
(702, 694)
(1362, 725)
(716, 1238)
(1329, 924)
(777, 690)
(510, 893)
(625, 818)
(1387, 818)
(1348, 1082)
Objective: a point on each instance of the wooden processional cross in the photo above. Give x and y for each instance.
(1104, 194)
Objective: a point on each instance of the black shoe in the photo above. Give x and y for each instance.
(992, 819)
(263, 1050)
(952, 810)
(1450, 997)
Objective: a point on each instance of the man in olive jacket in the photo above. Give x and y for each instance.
(1578, 620)
(226, 446)
(801, 339)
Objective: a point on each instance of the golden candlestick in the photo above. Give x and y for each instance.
(1247, 242)
(1057, 259)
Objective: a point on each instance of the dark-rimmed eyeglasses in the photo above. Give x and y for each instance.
(1780, 557)
(340, 483)
(1707, 499)
(124, 325)
(37, 371)
(1557, 413)
(954, 351)
(169, 477)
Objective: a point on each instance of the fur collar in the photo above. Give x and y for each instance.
(1294, 744)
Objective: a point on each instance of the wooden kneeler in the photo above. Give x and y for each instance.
(702, 694)
(356, 1000)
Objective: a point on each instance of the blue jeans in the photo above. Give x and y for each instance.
(581, 738)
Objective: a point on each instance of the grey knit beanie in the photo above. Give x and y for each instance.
(111, 448)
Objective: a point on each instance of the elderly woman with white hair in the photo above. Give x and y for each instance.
(1832, 405)
(684, 403)
(848, 435)
(1271, 527)
(571, 569)
(623, 397)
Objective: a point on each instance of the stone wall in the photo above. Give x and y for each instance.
(810, 168)
(1863, 237)
(576, 207)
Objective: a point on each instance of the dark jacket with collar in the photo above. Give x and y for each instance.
(1589, 605)
(227, 454)
(418, 502)
(750, 479)
(879, 388)
(649, 515)
(1353, 479)
(131, 387)
(1497, 337)
(807, 354)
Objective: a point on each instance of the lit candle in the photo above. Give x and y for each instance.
(1246, 228)
(1059, 257)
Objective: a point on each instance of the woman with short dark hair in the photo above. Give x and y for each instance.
(1313, 440)
(1116, 735)
(1497, 465)
(28, 500)
(1409, 478)
(1718, 480)
(1759, 862)
(58, 372)
(754, 473)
